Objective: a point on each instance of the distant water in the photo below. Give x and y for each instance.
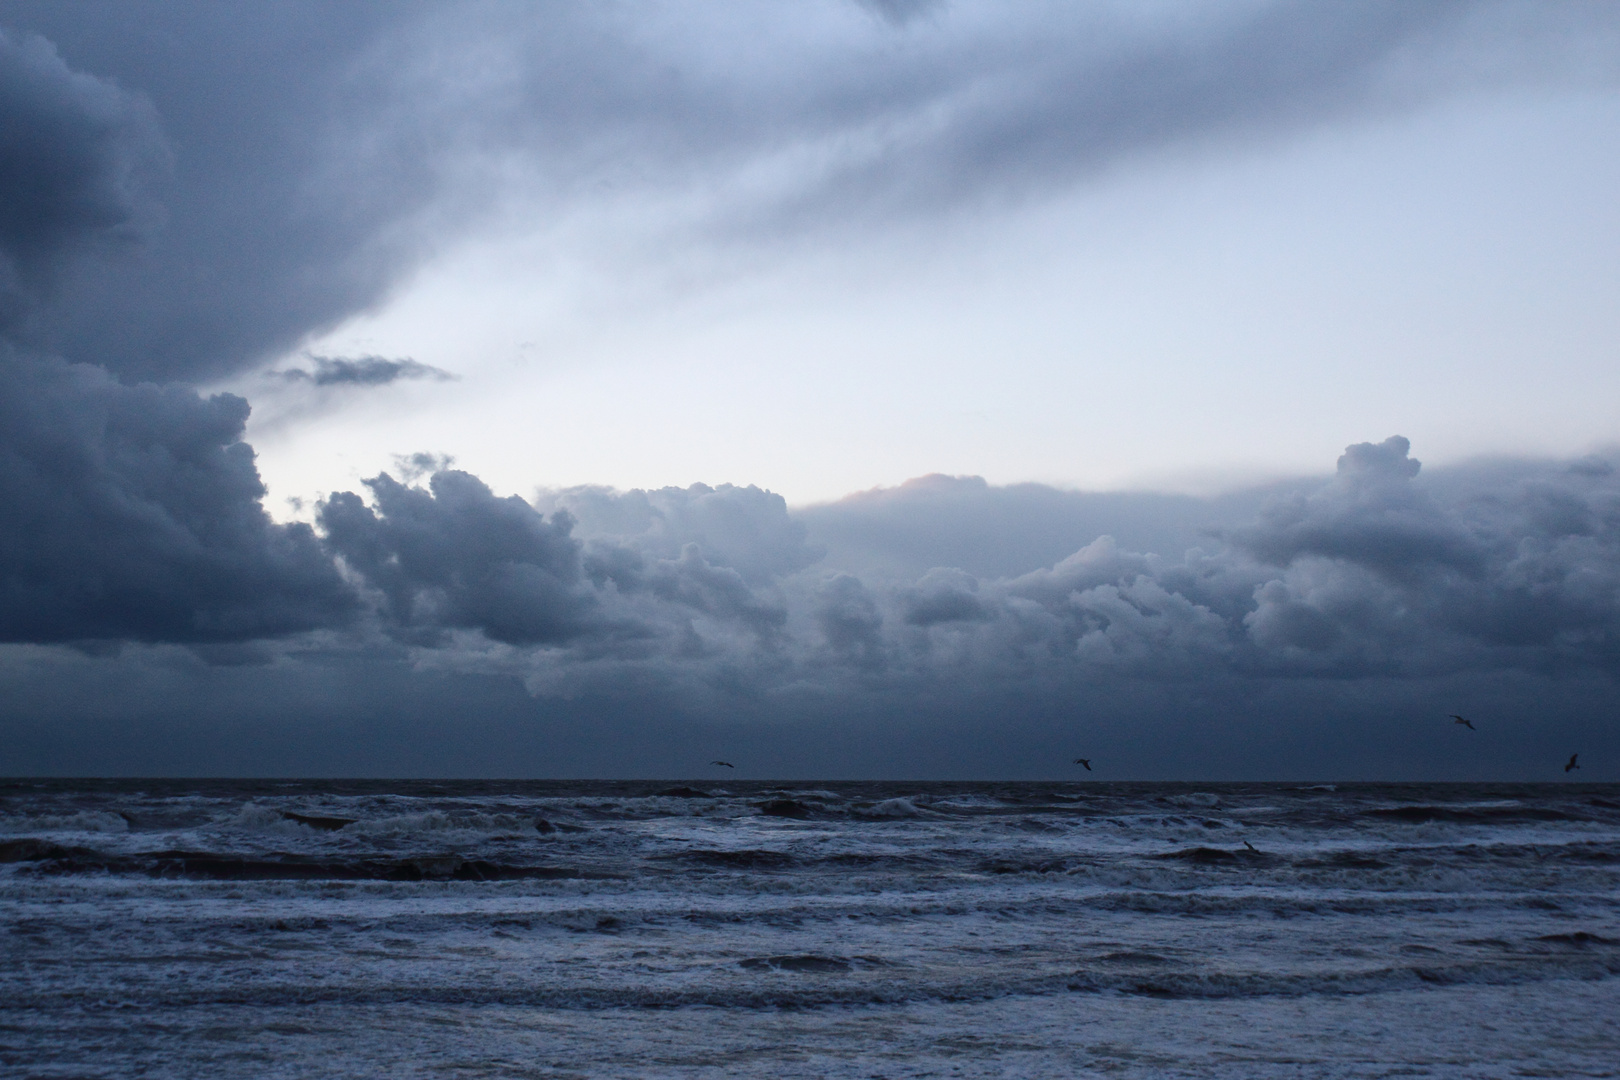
(706, 929)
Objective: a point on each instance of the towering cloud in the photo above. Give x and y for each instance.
(130, 512)
(133, 513)
(457, 557)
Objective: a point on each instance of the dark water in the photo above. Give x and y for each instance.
(320, 928)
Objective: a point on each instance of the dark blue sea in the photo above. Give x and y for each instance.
(324, 929)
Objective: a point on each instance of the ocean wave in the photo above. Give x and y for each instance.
(83, 821)
(44, 857)
(899, 807)
(751, 859)
(1198, 799)
(805, 980)
(1423, 813)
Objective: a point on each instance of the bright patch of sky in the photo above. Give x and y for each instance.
(1188, 321)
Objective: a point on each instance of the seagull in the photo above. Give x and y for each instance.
(1457, 719)
(727, 764)
(1083, 761)
(1572, 764)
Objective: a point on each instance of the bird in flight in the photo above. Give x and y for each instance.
(1572, 764)
(1083, 761)
(727, 764)
(1251, 847)
(1459, 720)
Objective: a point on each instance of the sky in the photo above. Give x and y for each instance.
(845, 389)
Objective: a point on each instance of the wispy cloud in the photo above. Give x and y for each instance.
(363, 371)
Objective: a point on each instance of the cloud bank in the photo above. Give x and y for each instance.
(1374, 573)
(1383, 593)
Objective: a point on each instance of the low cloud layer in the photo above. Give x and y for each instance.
(1376, 573)
(1383, 585)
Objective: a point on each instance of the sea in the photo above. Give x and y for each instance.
(722, 928)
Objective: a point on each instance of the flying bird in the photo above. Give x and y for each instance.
(1251, 847)
(727, 764)
(1572, 764)
(1083, 761)
(1457, 719)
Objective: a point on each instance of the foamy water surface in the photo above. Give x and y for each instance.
(336, 929)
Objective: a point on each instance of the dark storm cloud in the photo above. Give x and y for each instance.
(130, 513)
(644, 607)
(1375, 573)
(942, 596)
(319, 152)
(133, 513)
(265, 234)
(455, 556)
(850, 623)
(363, 371)
(1372, 573)
(71, 147)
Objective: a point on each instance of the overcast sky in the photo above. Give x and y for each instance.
(858, 388)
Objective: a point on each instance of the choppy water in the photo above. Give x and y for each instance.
(332, 929)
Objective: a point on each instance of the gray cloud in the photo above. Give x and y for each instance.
(1002, 531)
(363, 371)
(943, 596)
(455, 556)
(850, 621)
(642, 606)
(901, 12)
(134, 513)
(684, 573)
(1372, 574)
(131, 513)
(71, 147)
(740, 528)
(264, 234)
(319, 152)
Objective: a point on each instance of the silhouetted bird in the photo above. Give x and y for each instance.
(1251, 847)
(1083, 761)
(1463, 722)
(1572, 764)
(727, 764)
